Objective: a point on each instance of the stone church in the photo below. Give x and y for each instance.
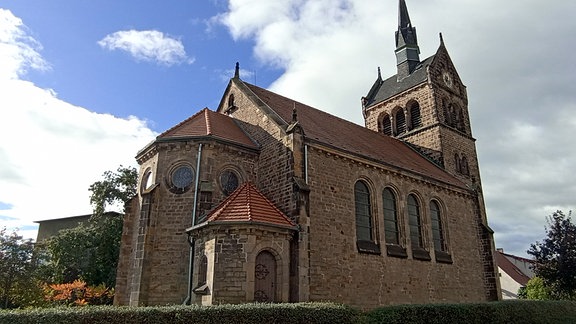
(268, 199)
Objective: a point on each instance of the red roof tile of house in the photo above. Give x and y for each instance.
(353, 138)
(248, 204)
(209, 123)
(513, 271)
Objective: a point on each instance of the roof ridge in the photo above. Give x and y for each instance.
(208, 121)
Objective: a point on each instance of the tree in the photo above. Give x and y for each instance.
(16, 266)
(535, 290)
(555, 257)
(90, 251)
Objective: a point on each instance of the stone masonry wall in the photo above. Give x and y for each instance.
(340, 273)
(164, 272)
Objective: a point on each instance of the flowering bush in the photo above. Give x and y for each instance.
(78, 294)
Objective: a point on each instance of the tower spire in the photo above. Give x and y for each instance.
(407, 50)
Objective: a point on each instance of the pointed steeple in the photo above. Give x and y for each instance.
(407, 50)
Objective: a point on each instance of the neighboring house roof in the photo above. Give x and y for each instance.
(50, 227)
(248, 205)
(513, 271)
(384, 89)
(212, 124)
(350, 137)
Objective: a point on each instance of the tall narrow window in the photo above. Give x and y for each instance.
(363, 212)
(387, 125)
(464, 166)
(415, 222)
(437, 230)
(415, 117)
(400, 122)
(390, 217)
(457, 163)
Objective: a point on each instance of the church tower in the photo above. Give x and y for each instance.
(425, 105)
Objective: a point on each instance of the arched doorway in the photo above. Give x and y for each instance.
(265, 278)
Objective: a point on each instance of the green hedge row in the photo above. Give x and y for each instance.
(233, 314)
(516, 311)
(309, 313)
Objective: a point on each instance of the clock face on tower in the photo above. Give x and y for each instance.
(447, 79)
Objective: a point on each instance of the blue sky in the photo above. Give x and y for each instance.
(85, 84)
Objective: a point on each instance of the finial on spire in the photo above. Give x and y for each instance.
(441, 39)
(237, 71)
(379, 74)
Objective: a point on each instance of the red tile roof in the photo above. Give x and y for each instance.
(247, 204)
(209, 123)
(353, 138)
(513, 271)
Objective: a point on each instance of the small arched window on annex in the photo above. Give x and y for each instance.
(415, 114)
(416, 230)
(385, 124)
(147, 181)
(364, 224)
(180, 178)
(202, 285)
(392, 226)
(439, 232)
(400, 120)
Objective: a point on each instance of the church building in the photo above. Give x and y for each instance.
(267, 199)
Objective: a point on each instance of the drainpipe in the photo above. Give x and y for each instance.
(188, 299)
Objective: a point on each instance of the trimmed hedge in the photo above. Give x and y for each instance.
(233, 314)
(308, 313)
(514, 311)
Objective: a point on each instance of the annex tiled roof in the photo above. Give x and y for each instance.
(248, 205)
(353, 138)
(513, 271)
(384, 89)
(209, 123)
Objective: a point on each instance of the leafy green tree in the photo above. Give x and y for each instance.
(90, 251)
(555, 257)
(16, 268)
(535, 290)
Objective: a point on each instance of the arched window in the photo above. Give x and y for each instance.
(415, 222)
(231, 100)
(400, 122)
(202, 270)
(390, 217)
(457, 163)
(415, 117)
(437, 228)
(387, 125)
(464, 166)
(363, 212)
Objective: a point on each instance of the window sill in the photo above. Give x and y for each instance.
(395, 250)
(443, 257)
(369, 247)
(201, 290)
(420, 254)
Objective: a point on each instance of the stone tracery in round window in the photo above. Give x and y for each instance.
(181, 178)
(229, 181)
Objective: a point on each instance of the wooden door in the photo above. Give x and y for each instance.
(265, 278)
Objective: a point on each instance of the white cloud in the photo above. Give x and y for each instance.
(515, 62)
(18, 51)
(148, 45)
(51, 150)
